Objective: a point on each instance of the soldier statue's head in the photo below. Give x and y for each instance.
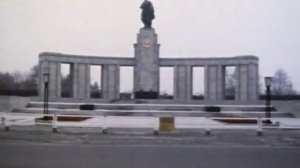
(147, 13)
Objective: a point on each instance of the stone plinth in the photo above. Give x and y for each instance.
(146, 70)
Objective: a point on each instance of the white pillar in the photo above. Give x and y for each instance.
(253, 82)
(211, 79)
(183, 82)
(247, 82)
(73, 75)
(110, 86)
(54, 79)
(214, 82)
(242, 82)
(80, 74)
(221, 82)
(43, 68)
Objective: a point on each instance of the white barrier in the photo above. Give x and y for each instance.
(104, 125)
(259, 127)
(54, 125)
(105, 122)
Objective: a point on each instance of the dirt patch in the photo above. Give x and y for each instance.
(62, 118)
(246, 121)
(237, 121)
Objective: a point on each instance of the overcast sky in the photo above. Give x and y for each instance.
(269, 29)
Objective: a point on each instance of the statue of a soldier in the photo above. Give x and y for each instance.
(147, 13)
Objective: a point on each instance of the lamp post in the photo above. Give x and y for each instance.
(268, 82)
(46, 92)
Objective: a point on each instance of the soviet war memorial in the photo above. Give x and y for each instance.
(146, 64)
(241, 117)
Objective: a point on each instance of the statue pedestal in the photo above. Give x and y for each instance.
(146, 70)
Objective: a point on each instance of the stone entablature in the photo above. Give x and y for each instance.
(123, 61)
(91, 60)
(224, 61)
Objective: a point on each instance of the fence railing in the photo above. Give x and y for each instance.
(152, 122)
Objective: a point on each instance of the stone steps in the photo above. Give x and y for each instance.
(159, 107)
(151, 110)
(127, 109)
(153, 113)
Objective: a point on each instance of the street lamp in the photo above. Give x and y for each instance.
(268, 82)
(46, 92)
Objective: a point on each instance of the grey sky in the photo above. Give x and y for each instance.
(269, 29)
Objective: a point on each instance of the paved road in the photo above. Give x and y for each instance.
(29, 155)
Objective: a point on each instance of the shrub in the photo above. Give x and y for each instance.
(87, 107)
(212, 109)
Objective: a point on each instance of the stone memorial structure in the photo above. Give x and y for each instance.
(146, 70)
(146, 63)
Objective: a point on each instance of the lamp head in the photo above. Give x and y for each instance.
(268, 81)
(46, 77)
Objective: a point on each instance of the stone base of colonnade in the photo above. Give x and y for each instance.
(160, 107)
(149, 108)
(152, 101)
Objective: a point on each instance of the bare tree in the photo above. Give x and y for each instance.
(6, 81)
(31, 81)
(66, 84)
(95, 87)
(282, 84)
(230, 83)
(26, 80)
(19, 78)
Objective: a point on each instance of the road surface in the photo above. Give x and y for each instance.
(49, 155)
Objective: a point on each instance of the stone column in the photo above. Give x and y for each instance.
(183, 83)
(80, 75)
(54, 86)
(214, 82)
(43, 68)
(221, 82)
(146, 70)
(242, 82)
(73, 76)
(247, 82)
(110, 86)
(54, 71)
(253, 82)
